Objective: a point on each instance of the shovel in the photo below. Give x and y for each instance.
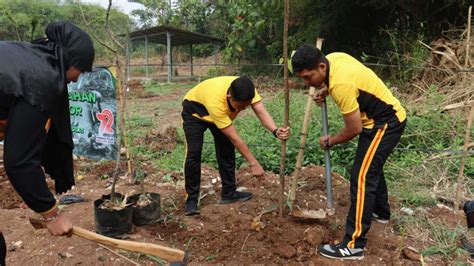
(176, 256)
(327, 162)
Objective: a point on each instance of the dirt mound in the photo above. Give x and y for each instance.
(13, 200)
(137, 90)
(221, 234)
(160, 142)
(224, 234)
(10, 198)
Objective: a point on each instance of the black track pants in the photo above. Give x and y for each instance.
(194, 129)
(368, 186)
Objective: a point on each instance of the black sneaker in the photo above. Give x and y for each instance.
(341, 251)
(191, 207)
(235, 196)
(379, 219)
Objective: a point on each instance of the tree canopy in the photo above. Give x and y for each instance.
(253, 29)
(25, 20)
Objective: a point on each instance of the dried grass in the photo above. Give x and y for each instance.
(445, 69)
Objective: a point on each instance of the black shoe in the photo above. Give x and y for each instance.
(380, 219)
(341, 251)
(235, 196)
(191, 207)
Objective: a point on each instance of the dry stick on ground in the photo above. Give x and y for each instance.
(458, 105)
(461, 170)
(243, 245)
(287, 106)
(119, 255)
(450, 201)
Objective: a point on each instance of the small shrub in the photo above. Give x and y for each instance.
(216, 71)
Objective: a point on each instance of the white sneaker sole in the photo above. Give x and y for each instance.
(343, 258)
(381, 221)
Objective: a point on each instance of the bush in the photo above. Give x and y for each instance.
(216, 71)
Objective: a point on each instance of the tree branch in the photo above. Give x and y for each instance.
(109, 31)
(9, 16)
(90, 31)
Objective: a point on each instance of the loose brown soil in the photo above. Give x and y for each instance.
(221, 234)
(160, 142)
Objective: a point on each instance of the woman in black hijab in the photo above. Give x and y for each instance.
(34, 116)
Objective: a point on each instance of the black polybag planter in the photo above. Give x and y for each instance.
(148, 214)
(469, 210)
(113, 223)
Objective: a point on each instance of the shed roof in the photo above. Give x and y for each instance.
(178, 36)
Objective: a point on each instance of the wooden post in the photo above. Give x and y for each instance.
(146, 57)
(467, 137)
(299, 159)
(191, 57)
(468, 37)
(122, 94)
(129, 44)
(304, 130)
(287, 106)
(169, 56)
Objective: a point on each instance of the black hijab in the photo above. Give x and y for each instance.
(37, 71)
(78, 50)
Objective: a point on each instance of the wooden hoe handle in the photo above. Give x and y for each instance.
(166, 253)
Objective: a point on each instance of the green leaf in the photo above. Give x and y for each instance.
(252, 43)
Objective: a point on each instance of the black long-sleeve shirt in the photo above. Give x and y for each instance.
(25, 138)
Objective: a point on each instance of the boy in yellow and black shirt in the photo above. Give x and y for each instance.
(371, 112)
(213, 104)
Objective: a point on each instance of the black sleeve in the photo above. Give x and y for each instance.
(57, 161)
(57, 152)
(24, 141)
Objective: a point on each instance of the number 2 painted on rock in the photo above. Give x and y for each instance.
(106, 119)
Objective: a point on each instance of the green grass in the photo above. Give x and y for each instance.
(438, 240)
(158, 89)
(172, 161)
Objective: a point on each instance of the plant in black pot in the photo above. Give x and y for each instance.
(113, 214)
(467, 241)
(146, 205)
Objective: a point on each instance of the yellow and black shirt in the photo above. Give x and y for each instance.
(208, 101)
(354, 86)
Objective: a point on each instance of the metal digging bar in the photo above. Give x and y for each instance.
(327, 162)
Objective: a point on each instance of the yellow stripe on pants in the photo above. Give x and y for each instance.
(360, 198)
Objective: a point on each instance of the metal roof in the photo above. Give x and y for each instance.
(178, 36)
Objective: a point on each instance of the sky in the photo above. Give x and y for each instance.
(122, 5)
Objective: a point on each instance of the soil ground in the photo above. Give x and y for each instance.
(222, 234)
